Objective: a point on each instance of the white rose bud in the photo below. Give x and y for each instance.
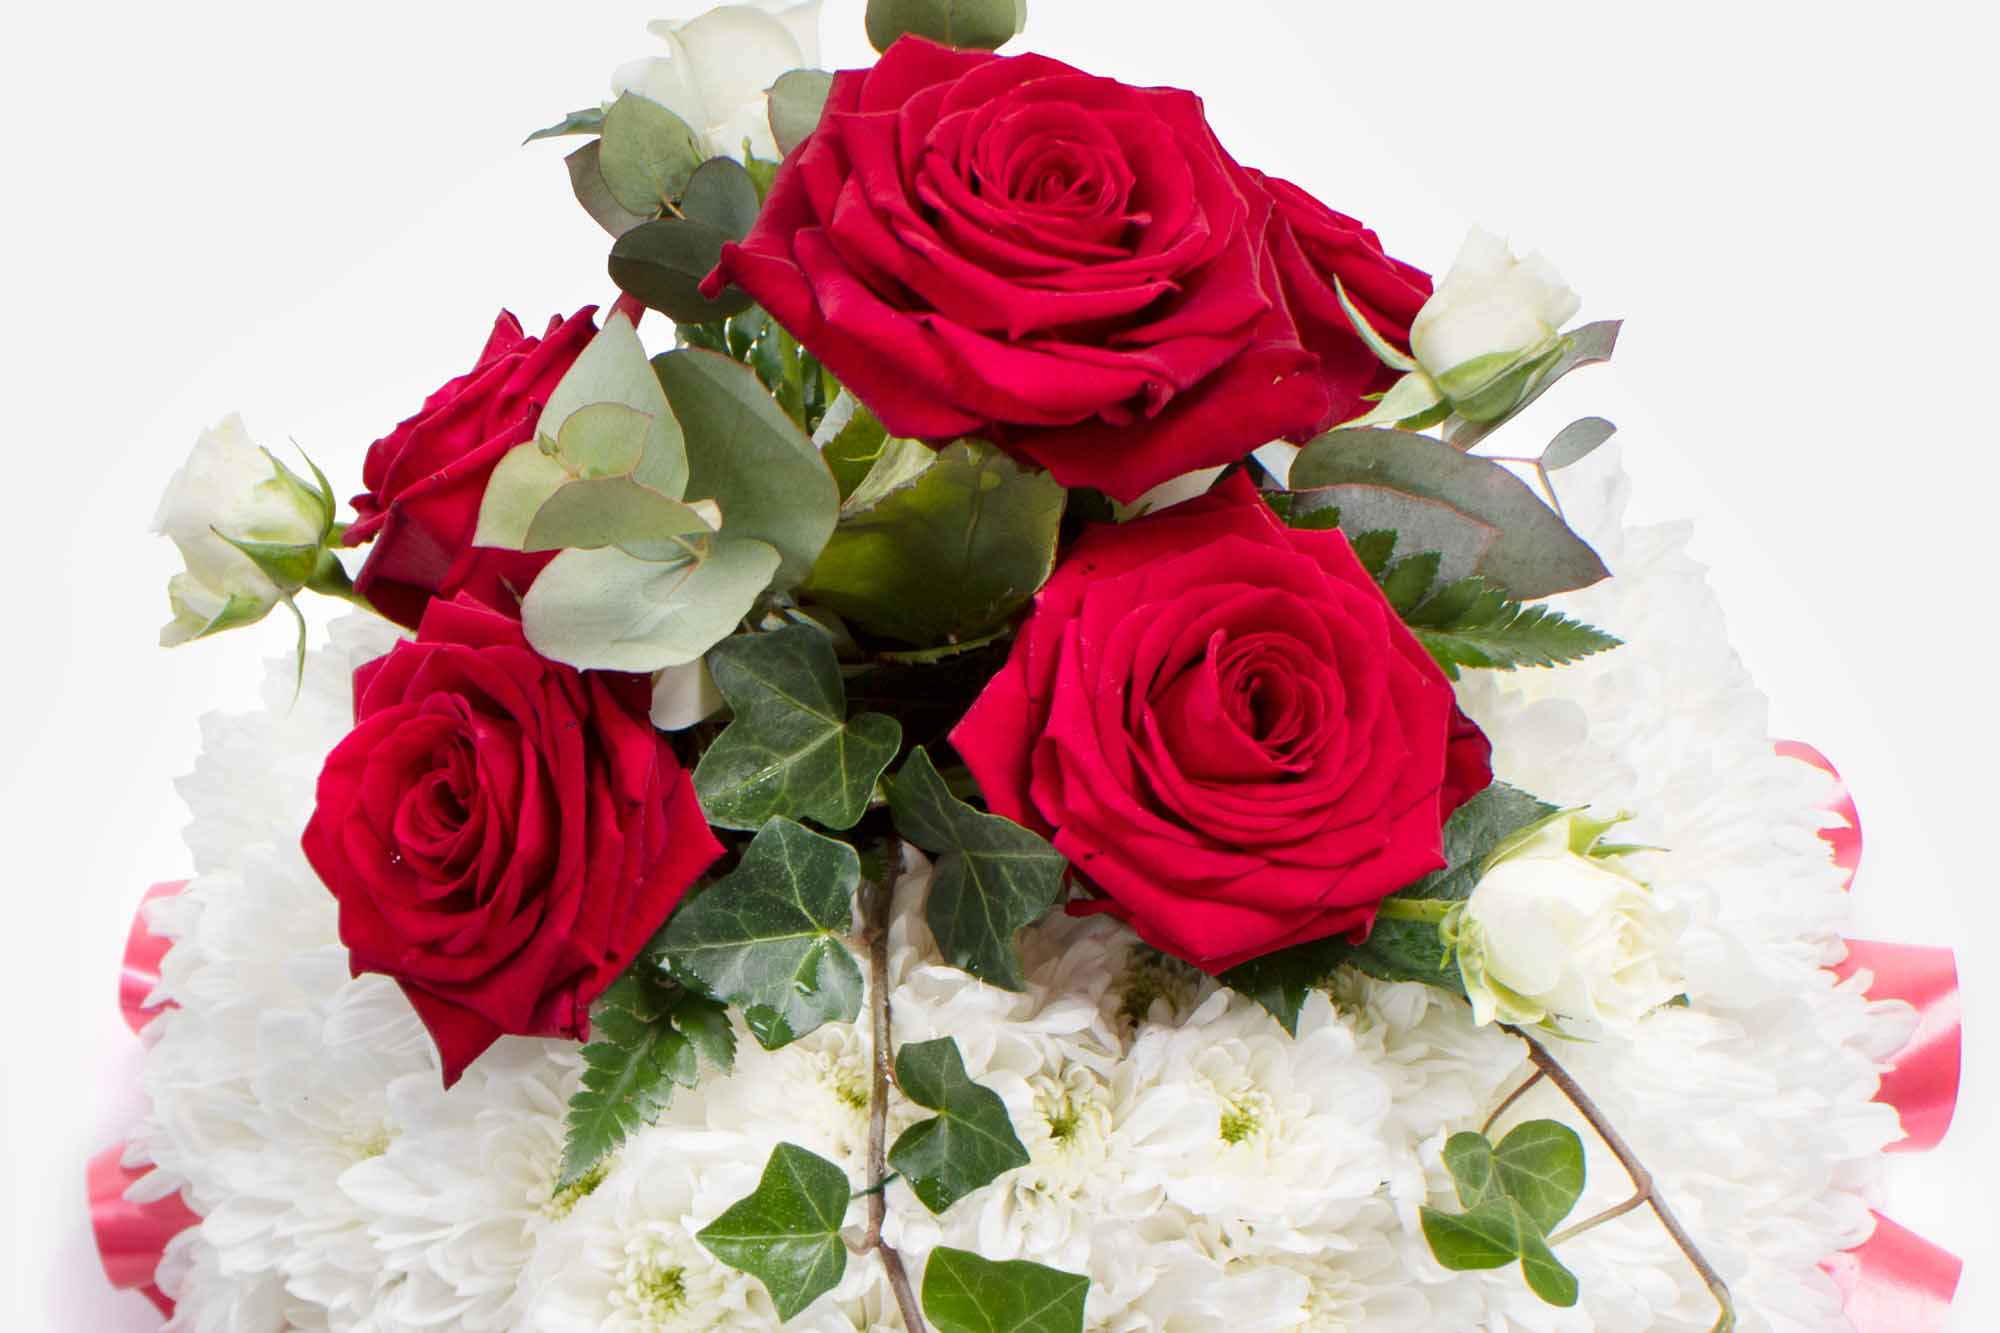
(1491, 327)
(719, 67)
(231, 489)
(1558, 929)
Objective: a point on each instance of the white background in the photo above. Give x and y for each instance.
(312, 213)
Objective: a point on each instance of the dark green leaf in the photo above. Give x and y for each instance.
(642, 1043)
(722, 194)
(968, 1144)
(1281, 981)
(1472, 623)
(1547, 1278)
(1535, 553)
(791, 749)
(1586, 346)
(1469, 1158)
(662, 263)
(972, 24)
(949, 557)
(589, 120)
(1411, 950)
(964, 1293)
(1540, 1165)
(648, 154)
(1411, 522)
(992, 877)
(766, 937)
(1488, 1236)
(1409, 579)
(787, 1233)
(1374, 549)
(797, 99)
(586, 181)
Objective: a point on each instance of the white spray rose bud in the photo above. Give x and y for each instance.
(1491, 327)
(719, 66)
(231, 490)
(1558, 929)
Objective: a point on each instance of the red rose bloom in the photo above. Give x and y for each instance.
(1004, 246)
(503, 833)
(1226, 729)
(427, 477)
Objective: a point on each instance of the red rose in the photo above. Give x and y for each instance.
(1226, 729)
(1004, 246)
(426, 478)
(503, 833)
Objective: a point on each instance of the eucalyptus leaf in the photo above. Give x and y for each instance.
(612, 368)
(964, 1293)
(662, 263)
(586, 181)
(620, 512)
(588, 120)
(752, 459)
(1576, 442)
(948, 557)
(787, 1233)
(790, 749)
(1535, 553)
(969, 1144)
(1581, 347)
(722, 194)
(608, 610)
(797, 101)
(1418, 524)
(648, 154)
(992, 877)
(971, 24)
(767, 936)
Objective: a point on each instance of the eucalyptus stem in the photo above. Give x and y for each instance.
(1642, 1180)
(877, 898)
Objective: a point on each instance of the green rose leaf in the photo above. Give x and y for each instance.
(663, 262)
(972, 24)
(948, 557)
(787, 1233)
(766, 937)
(970, 1142)
(1540, 1165)
(1281, 981)
(1488, 1236)
(610, 610)
(1581, 347)
(992, 877)
(867, 462)
(797, 100)
(964, 1293)
(643, 1042)
(1534, 554)
(791, 749)
(586, 181)
(589, 120)
(648, 154)
(752, 459)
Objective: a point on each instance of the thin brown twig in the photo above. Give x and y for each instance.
(877, 899)
(1642, 1179)
(1512, 1097)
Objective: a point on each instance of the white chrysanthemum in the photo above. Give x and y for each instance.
(1202, 1168)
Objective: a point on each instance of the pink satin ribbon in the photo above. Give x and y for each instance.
(131, 1237)
(1896, 1281)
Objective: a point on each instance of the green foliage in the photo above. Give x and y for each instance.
(664, 261)
(1473, 624)
(647, 155)
(790, 748)
(972, 24)
(767, 936)
(646, 1032)
(1281, 981)
(868, 463)
(609, 610)
(1533, 552)
(1389, 516)
(586, 182)
(1580, 347)
(1515, 1194)
(797, 100)
(948, 556)
(787, 1233)
(964, 1293)
(589, 120)
(992, 877)
(968, 1144)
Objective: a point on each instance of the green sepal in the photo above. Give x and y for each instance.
(1386, 352)
(290, 566)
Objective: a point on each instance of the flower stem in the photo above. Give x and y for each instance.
(1642, 1179)
(1427, 910)
(876, 900)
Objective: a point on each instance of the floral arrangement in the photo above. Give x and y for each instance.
(1015, 777)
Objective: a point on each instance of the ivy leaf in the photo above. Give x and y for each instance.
(1472, 623)
(642, 1044)
(1411, 950)
(791, 749)
(1469, 1158)
(1488, 1236)
(964, 1293)
(1534, 555)
(992, 877)
(766, 937)
(1541, 1167)
(948, 557)
(1546, 1276)
(968, 1144)
(787, 1233)
(1281, 981)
